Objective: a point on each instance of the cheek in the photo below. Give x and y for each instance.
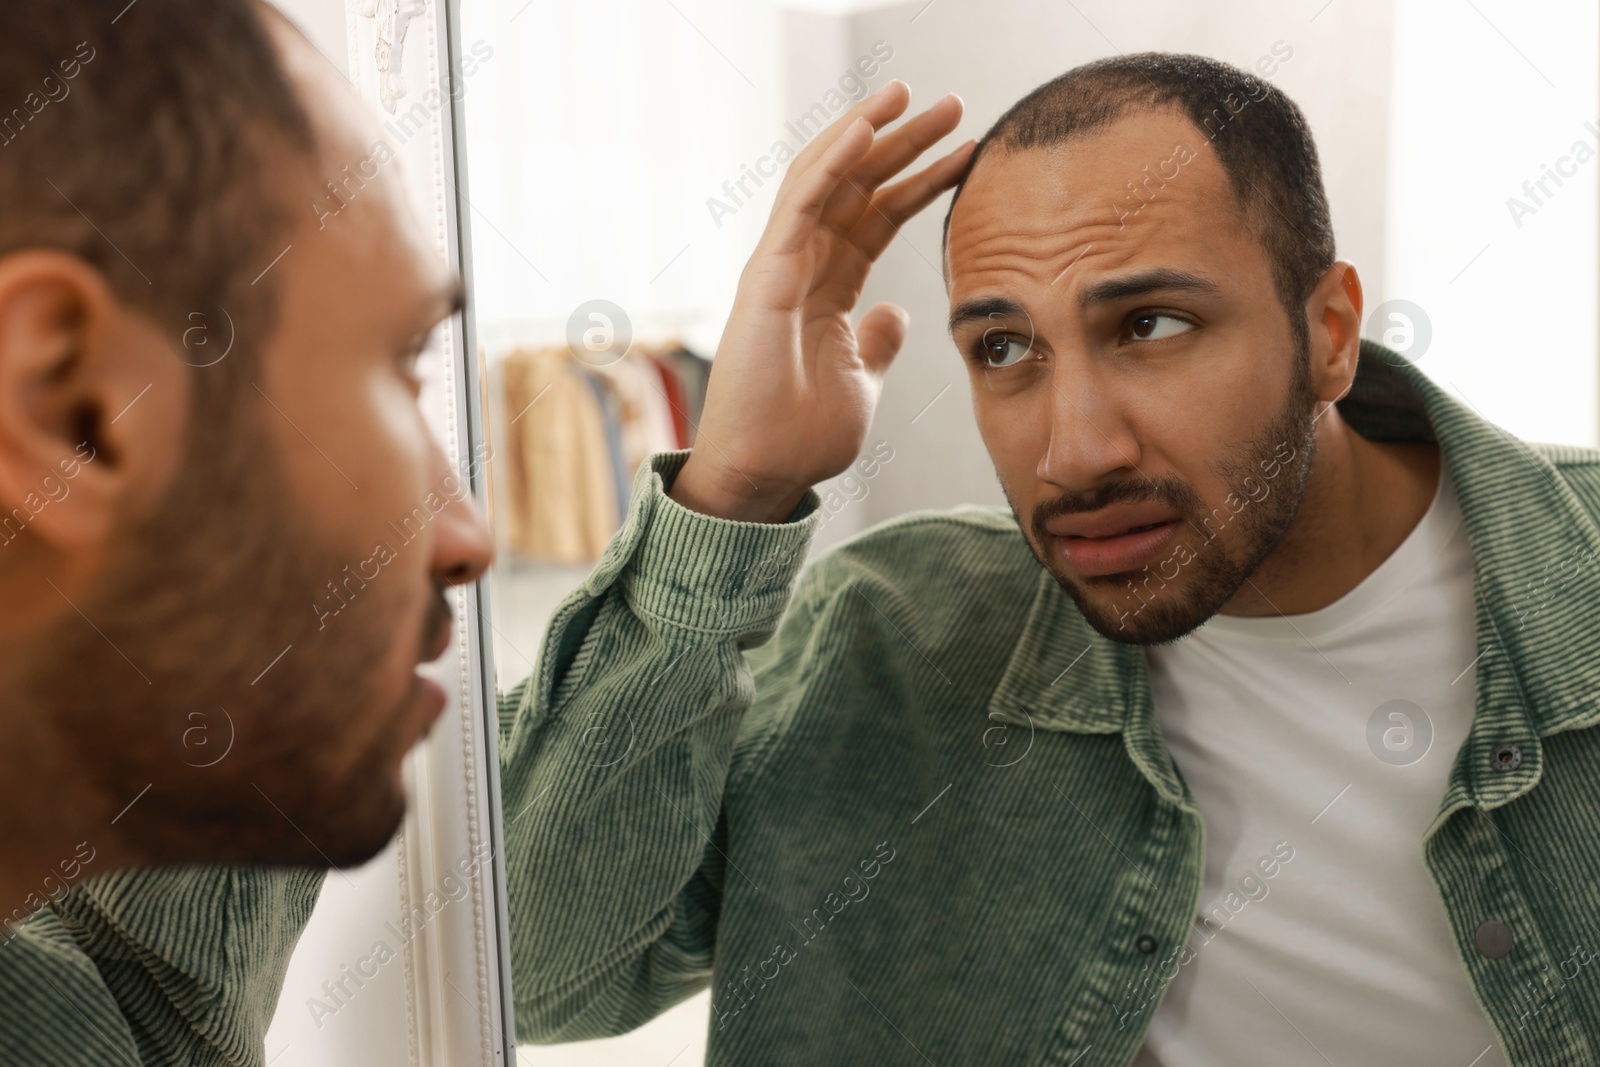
(355, 445)
(387, 527)
(397, 454)
(1182, 438)
(393, 682)
(1015, 429)
(1195, 424)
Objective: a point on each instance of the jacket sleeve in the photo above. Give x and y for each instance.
(615, 755)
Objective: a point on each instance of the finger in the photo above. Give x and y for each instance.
(893, 206)
(795, 215)
(879, 108)
(880, 335)
(890, 154)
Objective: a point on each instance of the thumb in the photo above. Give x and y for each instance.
(880, 335)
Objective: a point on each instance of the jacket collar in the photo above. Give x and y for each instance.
(1536, 575)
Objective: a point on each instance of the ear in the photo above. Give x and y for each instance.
(1334, 311)
(93, 407)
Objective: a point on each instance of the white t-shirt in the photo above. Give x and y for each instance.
(1327, 940)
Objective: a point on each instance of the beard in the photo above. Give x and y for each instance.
(1154, 605)
(208, 696)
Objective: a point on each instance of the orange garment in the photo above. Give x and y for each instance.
(561, 487)
(647, 424)
(675, 398)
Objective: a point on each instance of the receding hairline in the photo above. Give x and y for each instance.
(1129, 111)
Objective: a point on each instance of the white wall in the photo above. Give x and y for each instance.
(323, 22)
(596, 135)
(1486, 97)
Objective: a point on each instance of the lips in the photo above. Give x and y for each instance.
(1114, 521)
(437, 648)
(440, 624)
(1140, 529)
(434, 699)
(1114, 540)
(430, 695)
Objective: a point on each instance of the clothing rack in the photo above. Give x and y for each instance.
(572, 434)
(501, 335)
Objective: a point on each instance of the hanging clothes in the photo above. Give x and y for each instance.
(646, 417)
(675, 400)
(611, 419)
(576, 434)
(694, 374)
(561, 482)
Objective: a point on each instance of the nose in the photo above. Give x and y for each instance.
(464, 547)
(1089, 437)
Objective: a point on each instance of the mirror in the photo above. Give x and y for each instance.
(857, 890)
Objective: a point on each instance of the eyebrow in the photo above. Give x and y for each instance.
(1142, 283)
(993, 307)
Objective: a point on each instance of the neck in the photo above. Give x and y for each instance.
(1362, 499)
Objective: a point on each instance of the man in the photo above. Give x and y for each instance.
(1260, 730)
(208, 422)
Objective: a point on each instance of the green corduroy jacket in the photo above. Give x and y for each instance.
(906, 807)
(912, 809)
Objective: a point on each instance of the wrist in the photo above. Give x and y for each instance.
(726, 493)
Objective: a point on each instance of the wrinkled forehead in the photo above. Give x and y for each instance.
(1146, 191)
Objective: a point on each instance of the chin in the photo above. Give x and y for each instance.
(360, 827)
(272, 819)
(361, 823)
(360, 810)
(359, 843)
(1117, 614)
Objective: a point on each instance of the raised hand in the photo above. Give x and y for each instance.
(794, 385)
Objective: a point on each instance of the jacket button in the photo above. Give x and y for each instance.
(1506, 758)
(1493, 939)
(1146, 944)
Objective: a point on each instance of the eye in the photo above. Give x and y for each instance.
(1149, 326)
(1001, 350)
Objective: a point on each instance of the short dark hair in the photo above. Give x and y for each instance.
(1260, 136)
(147, 139)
